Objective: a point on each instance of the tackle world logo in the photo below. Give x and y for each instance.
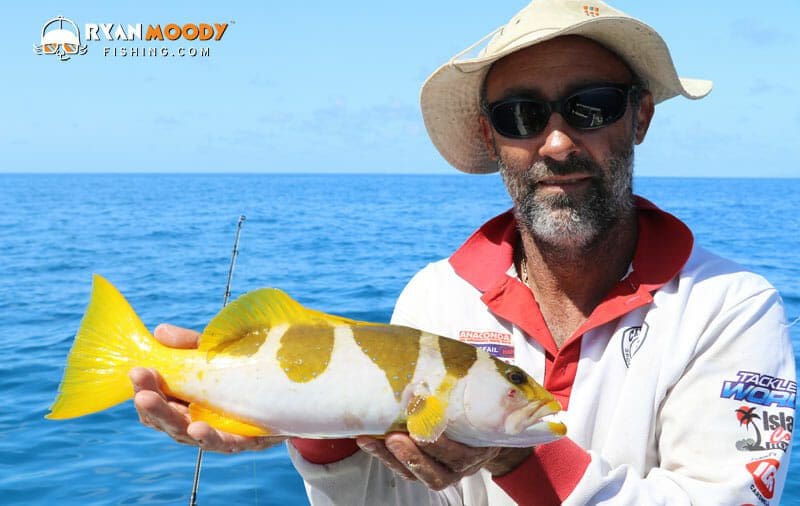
(632, 340)
(761, 389)
(777, 430)
(59, 40)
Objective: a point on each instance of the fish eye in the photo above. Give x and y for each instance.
(515, 376)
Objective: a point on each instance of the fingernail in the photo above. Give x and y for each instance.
(368, 447)
(392, 446)
(165, 327)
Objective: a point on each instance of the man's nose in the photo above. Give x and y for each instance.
(558, 143)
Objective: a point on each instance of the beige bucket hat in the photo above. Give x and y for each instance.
(450, 97)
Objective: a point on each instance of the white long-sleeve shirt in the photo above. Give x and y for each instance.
(678, 389)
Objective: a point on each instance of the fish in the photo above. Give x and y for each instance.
(267, 366)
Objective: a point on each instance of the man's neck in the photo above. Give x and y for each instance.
(570, 282)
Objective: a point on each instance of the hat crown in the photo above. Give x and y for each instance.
(450, 97)
(546, 16)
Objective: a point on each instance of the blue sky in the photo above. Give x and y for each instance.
(333, 87)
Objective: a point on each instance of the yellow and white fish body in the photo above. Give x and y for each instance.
(268, 366)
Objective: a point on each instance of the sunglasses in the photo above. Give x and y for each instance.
(586, 109)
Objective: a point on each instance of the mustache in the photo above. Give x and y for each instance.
(574, 164)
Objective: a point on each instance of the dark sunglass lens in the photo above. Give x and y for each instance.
(595, 108)
(519, 118)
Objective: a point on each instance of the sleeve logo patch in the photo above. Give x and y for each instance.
(765, 431)
(760, 389)
(763, 472)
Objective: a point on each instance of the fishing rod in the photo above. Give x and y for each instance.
(234, 253)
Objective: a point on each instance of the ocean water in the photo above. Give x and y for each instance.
(345, 244)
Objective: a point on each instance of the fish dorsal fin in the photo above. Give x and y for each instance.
(257, 312)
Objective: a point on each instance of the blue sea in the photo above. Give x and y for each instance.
(344, 244)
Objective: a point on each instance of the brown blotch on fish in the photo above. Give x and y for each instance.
(394, 349)
(458, 357)
(245, 343)
(305, 351)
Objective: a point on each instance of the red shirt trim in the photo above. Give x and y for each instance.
(548, 476)
(663, 246)
(324, 451)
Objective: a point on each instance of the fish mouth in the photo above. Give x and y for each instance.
(532, 414)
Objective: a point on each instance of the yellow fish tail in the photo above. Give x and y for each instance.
(110, 341)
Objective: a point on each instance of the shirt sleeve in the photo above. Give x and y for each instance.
(362, 480)
(724, 430)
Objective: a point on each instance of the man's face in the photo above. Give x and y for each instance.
(569, 186)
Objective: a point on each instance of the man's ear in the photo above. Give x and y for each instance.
(488, 139)
(644, 115)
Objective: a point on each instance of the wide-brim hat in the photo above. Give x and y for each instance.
(450, 97)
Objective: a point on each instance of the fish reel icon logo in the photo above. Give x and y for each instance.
(60, 41)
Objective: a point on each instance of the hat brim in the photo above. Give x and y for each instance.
(450, 97)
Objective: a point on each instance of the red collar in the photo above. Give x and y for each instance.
(663, 247)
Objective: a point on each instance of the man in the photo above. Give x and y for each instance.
(660, 352)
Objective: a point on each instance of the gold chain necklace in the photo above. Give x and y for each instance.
(523, 268)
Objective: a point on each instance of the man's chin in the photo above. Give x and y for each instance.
(561, 229)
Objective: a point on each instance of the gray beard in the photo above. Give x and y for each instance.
(562, 221)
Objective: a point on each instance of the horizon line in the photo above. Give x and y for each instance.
(453, 173)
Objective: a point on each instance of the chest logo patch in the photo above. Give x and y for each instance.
(632, 340)
(497, 344)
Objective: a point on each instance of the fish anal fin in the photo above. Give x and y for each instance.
(220, 421)
(426, 418)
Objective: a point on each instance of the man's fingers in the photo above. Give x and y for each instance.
(433, 474)
(378, 450)
(156, 412)
(172, 416)
(144, 379)
(176, 337)
(458, 457)
(208, 438)
(217, 441)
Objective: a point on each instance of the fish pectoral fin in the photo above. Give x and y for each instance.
(219, 421)
(426, 418)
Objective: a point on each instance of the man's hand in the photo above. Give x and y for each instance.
(441, 463)
(171, 415)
